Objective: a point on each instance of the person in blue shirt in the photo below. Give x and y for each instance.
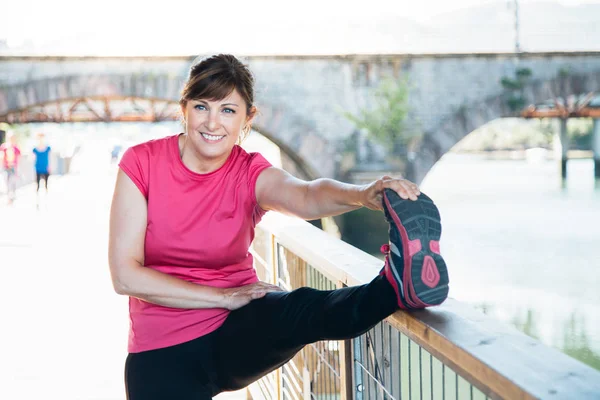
(42, 162)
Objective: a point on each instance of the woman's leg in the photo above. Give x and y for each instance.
(265, 334)
(11, 182)
(184, 371)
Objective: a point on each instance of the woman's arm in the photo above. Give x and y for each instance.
(128, 219)
(277, 190)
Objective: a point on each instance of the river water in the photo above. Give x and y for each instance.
(523, 246)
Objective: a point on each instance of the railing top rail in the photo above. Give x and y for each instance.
(495, 357)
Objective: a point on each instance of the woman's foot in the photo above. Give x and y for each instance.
(413, 264)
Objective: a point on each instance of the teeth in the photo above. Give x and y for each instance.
(211, 137)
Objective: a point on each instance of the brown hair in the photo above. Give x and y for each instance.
(215, 77)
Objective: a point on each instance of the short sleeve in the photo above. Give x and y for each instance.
(132, 166)
(257, 165)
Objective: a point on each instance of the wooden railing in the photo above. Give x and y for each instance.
(446, 352)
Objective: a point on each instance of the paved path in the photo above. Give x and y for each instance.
(63, 330)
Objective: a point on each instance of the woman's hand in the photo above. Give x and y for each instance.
(238, 297)
(373, 192)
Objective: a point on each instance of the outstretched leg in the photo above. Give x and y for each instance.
(265, 334)
(268, 332)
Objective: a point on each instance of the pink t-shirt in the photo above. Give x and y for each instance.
(200, 227)
(10, 155)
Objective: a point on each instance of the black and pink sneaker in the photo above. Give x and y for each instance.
(413, 264)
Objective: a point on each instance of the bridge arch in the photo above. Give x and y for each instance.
(96, 97)
(468, 118)
(24, 95)
(96, 109)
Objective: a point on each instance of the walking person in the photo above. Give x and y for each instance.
(11, 155)
(42, 164)
(182, 219)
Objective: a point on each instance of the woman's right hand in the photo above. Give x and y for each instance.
(238, 297)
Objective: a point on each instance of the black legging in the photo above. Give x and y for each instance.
(255, 340)
(42, 175)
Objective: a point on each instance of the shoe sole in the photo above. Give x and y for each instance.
(425, 272)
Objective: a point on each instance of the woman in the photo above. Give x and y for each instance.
(182, 220)
(42, 162)
(11, 154)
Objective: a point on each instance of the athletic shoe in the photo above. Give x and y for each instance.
(413, 264)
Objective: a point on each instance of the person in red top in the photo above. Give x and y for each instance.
(10, 162)
(182, 220)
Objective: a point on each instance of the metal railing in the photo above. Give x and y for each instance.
(448, 352)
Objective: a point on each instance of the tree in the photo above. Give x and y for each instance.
(515, 86)
(384, 122)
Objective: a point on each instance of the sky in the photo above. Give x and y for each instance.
(121, 26)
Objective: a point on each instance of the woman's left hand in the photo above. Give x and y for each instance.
(373, 192)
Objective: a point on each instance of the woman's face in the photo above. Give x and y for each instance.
(213, 127)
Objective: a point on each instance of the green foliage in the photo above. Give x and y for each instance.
(509, 83)
(350, 144)
(515, 103)
(515, 98)
(563, 72)
(523, 73)
(577, 344)
(580, 132)
(522, 76)
(384, 122)
(528, 325)
(572, 338)
(546, 127)
(365, 229)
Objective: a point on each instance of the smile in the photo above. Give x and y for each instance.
(212, 138)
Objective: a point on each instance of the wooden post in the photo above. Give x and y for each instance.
(275, 270)
(346, 370)
(273, 260)
(306, 390)
(346, 366)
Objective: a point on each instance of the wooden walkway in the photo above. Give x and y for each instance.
(64, 330)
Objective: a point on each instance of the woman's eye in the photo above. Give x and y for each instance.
(199, 107)
(228, 111)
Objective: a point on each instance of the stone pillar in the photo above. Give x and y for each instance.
(596, 147)
(561, 143)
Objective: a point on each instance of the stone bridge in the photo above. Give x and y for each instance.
(302, 98)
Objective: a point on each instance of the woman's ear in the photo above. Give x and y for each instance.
(251, 114)
(184, 112)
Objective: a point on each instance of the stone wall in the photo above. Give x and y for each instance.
(302, 99)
